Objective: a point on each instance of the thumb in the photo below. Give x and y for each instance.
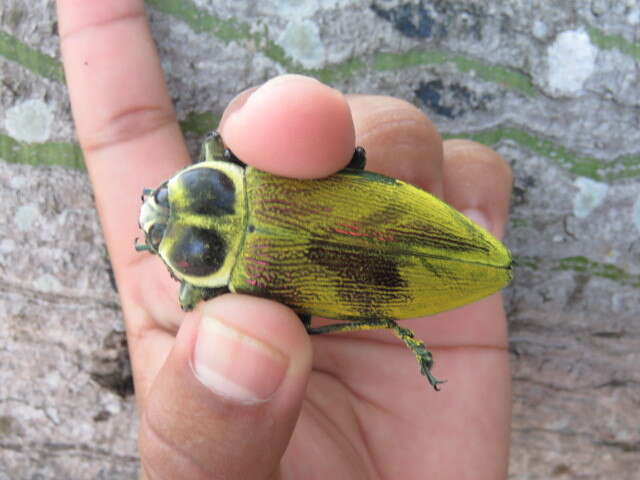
(226, 401)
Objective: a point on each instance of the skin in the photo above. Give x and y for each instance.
(350, 406)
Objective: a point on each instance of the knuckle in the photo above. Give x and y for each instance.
(91, 19)
(387, 117)
(127, 125)
(160, 456)
(470, 151)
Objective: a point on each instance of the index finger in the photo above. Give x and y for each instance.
(124, 118)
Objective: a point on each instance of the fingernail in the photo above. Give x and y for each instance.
(479, 217)
(235, 365)
(236, 105)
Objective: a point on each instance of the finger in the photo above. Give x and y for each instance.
(225, 402)
(477, 182)
(123, 114)
(399, 139)
(293, 126)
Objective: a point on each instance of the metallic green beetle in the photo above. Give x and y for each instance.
(354, 246)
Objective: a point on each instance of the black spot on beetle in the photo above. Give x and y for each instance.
(198, 252)
(451, 101)
(210, 191)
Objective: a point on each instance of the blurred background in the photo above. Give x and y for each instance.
(553, 86)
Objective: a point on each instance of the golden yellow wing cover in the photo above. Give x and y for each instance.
(361, 246)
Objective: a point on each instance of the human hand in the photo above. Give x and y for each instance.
(233, 390)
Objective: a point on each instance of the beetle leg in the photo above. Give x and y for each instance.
(189, 296)
(358, 160)
(424, 356)
(348, 327)
(209, 293)
(212, 148)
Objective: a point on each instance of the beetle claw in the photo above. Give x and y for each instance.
(424, 356)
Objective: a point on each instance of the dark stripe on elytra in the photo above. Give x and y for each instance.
(422, 233)
(435, 237)
(442, 272)
(360, 267)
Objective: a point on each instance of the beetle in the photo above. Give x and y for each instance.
(355, 246)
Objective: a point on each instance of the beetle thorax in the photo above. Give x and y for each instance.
(203, 224)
